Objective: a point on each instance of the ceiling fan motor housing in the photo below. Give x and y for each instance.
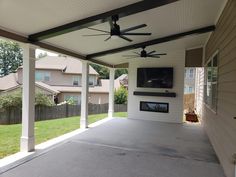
(115, 31)
(143, 53)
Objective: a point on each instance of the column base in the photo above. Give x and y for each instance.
(27, 144)
(110, 113)
(83, 124)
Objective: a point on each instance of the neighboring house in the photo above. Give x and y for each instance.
(189, 80)
(123, 80)
(60, 78)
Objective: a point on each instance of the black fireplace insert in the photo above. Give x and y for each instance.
(154, 107)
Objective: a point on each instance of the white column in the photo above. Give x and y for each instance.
(84, 95)
(28, 99)
(111, 93)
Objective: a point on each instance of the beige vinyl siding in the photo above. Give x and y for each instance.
(199, 91)
(221, 126)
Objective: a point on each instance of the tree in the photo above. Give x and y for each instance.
(119, 72)
(104, 72)
(11, 57)
(42, 55)
(121, 95)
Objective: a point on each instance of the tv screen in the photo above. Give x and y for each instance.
(155, 77)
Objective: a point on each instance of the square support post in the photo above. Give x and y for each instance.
(84, 95)
(111, 93)
(27, 143)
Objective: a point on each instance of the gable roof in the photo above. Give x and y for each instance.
(9, 81)
(68, 65)
(46, 87)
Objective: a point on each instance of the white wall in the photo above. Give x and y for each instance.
(175, 59)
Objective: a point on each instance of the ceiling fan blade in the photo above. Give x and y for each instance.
(107, 38)
(138, 34)
(96, 35)
(125, 38)
(156, 54)
(133, 28)
(151, 52)
(99, 30)
(152, 56)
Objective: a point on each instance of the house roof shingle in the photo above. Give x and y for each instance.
(9, 81)
(68, 64)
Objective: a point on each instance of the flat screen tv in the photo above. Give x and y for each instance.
(155, 77)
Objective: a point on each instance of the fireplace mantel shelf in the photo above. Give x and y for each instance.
(160, 94)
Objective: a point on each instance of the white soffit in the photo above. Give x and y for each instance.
(177, 17)
(168, 47)
(31, 16)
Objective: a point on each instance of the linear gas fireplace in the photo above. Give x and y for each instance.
(154, 107)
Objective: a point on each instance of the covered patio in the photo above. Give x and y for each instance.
(124, 148)
(171, 34)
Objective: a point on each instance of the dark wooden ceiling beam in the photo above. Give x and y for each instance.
(153, 42)
(23, 39)
(100, 18)
(13, 36)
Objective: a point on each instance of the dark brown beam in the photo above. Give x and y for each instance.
(59, 50)
(122, 65)
(153, 42)
(101, 63)
(13, 36)
(100, 18)
(19, 38)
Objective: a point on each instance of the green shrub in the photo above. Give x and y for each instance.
(15, 100)
(121, 95)
(42, 100)
(11, 100)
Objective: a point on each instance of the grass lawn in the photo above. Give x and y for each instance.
(44, 130)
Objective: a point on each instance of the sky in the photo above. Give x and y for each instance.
(38, 51)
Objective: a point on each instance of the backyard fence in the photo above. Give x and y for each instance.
(13, 115)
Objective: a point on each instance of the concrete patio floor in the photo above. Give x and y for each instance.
(128, 148)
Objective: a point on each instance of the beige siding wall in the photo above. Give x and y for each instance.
(98, 98)
(57, 77)
(199, 91)
(221, 126)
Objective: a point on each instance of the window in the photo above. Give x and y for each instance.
(191, 73)
(210, 86)
(76, 81)
(190, 89)
(42, 76)
(91, 80)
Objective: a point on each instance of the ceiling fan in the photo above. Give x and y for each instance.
(115, 30)
(145, 54)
